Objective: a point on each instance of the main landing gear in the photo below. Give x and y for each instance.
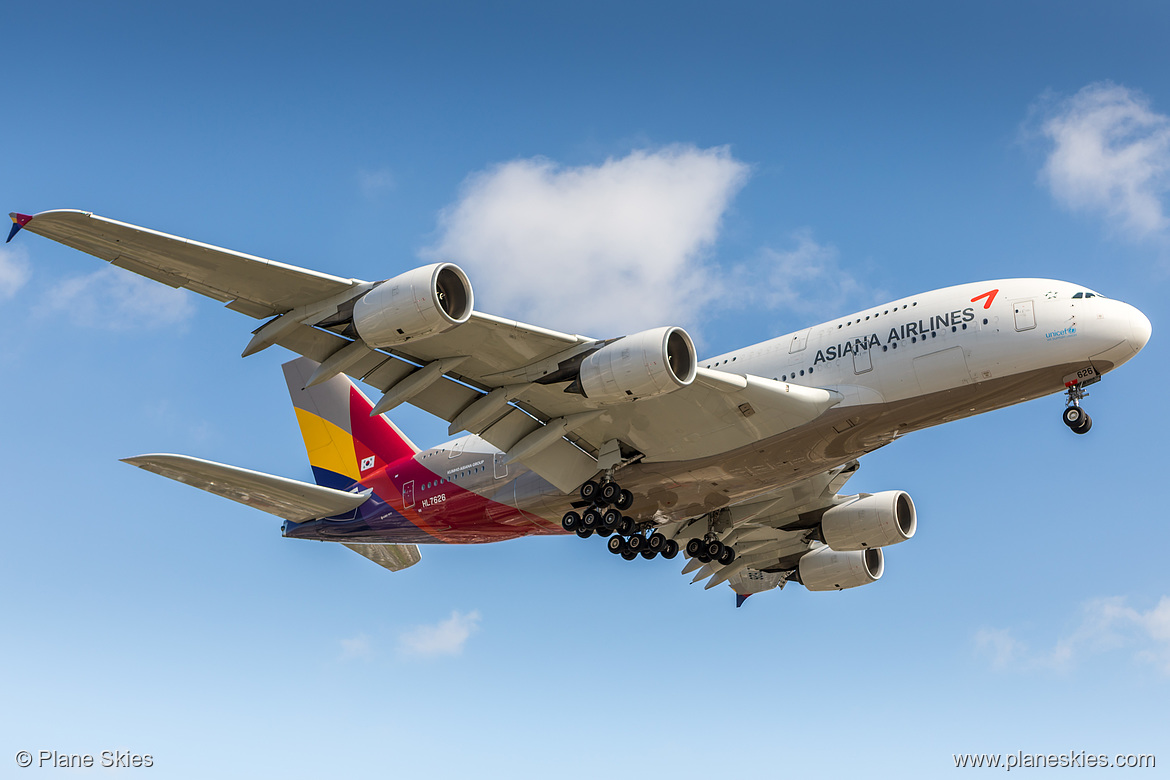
(1074, 416)
(710, 549)
(604, 517)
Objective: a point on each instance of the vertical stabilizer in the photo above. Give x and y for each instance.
(343, 441)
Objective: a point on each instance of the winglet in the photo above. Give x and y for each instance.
(740, 598)
(18, 221)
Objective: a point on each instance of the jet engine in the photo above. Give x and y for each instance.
(642, 365)
(419, 303)
(874, 520)
(827, 569)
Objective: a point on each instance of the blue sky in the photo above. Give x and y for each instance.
(799, 160)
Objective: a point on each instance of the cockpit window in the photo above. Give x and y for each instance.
(1079, 295)
(1085, 294)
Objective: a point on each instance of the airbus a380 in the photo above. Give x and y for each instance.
(738, 459)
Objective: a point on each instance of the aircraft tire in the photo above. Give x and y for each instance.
(1085, 424)
(694, 547)
(610, 492)
(571, 521)
(1073, 416)
(589, 491)
(625, 500)
(671, 549)
(727, 557)
(616, 544)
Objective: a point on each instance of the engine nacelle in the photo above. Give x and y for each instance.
(874, 520)
(414, 305)
(827, 569)
(643, 365)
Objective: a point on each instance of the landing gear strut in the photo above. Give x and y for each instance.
(1074, 416)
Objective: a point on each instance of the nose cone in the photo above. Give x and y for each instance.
(1140, 329)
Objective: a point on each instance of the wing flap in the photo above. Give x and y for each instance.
(280, 496)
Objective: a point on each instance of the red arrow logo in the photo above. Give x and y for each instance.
(990, 296)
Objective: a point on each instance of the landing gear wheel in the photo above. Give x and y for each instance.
(626, 526)
(629, 556)
(670, 550)
(1074, 416)
(611, 519)
(610, 491)
(603, 531)
(694, 547)
(649, 554)
(656, 542)
(571, 521)
(728, 556)
(1084, 425)
(636, 543)
(625, 500)
(714, 549)
(589, 491)
(591, 519)
(584, 533)
(616, 544)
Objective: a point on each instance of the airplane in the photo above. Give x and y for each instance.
(738, 460)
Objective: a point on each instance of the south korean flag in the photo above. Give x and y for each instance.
(367, 463)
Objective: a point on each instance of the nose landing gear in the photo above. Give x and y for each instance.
(1076, 418)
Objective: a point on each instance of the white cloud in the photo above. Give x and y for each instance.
(444, 638)
(807, 279)
(375, 182)
(1107, 624)
(600, 249)
(1110, 154)
(14, 271)
(999, 645)
(116, 299)
(358, 647)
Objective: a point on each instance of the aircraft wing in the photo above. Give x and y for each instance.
(489, 375)
(247, 284)
(771, 533)
(287, 498)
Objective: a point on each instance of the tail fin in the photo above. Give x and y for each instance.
(343, 441)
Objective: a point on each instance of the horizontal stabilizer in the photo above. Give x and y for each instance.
(287, 498)
(394, 557)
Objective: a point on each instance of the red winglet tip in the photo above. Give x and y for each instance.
(18, 221)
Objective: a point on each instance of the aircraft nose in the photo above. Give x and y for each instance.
(1140, 329)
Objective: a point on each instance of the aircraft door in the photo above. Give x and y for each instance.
(501, 465)
(799, 342)
(1025, 315)
(862, 361)
(408, 494)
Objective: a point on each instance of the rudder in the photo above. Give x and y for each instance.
(343, 441)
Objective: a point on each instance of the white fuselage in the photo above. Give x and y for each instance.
(901, 366)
